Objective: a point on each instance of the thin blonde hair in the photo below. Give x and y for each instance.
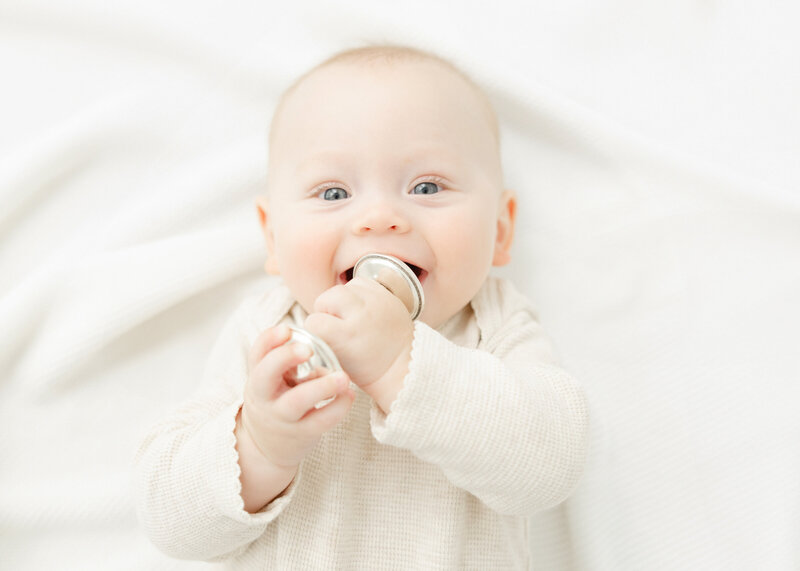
(384, 54)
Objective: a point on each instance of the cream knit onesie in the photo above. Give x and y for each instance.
(485, 432)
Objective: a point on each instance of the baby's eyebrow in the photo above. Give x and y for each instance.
(435, 152)
(326, 160)
(427, 157)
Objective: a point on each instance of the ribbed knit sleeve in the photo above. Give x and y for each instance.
(187, 472)
(500, 421)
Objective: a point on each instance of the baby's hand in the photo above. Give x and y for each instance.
(281, 420)
(371, 333)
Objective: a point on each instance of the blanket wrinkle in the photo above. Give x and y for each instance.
(108, 294)
(179, 200)
(60, 169)
(224, 64)
(38, 165)
(66, 507)
(562, 123)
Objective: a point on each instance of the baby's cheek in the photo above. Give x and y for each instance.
(305, 266)
(464, 257)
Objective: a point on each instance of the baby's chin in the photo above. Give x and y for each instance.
(435, 319)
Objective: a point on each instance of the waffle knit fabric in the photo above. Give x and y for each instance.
(486, 431)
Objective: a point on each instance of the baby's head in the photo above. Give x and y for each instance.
(387, 150)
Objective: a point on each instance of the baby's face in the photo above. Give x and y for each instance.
(397, 159)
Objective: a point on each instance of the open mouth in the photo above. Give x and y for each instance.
(347, 275)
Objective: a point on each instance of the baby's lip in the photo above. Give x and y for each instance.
(421, 273)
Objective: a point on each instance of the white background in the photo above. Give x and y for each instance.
(654, 148)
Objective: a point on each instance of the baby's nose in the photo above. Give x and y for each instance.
(379, 219)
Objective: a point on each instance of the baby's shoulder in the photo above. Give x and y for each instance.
(266, 307)
(499, 300)
(506, 318)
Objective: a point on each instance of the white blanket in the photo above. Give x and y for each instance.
(655, 153)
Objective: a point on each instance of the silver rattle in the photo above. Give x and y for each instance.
(391, 273)
(395, 276)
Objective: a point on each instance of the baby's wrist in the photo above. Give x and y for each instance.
(384, 390)
(262, 480)
(247, 445)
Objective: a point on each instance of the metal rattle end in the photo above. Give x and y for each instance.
(396, 276)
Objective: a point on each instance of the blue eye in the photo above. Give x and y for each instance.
(425, 188)
(334, 193)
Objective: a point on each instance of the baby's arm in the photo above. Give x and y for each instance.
(371, 333)
(191, 502)
(279, 425)
(502, 423)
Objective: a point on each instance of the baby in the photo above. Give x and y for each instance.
(445, 432)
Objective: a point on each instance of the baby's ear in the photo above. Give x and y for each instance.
(505, 228)
(262, 207)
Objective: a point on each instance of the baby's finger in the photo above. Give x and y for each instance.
(298, 401)
(337, 301)
(268, 375)
(321, 420)
(266, 342)
(324, 326)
